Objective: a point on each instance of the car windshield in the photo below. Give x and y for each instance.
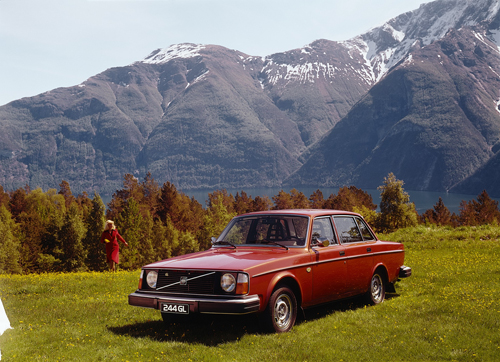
(285, 230)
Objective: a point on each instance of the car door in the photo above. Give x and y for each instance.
(330, 267)
(358, 251)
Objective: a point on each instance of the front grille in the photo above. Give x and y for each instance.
(186, 281)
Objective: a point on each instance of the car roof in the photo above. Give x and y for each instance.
(302, 212)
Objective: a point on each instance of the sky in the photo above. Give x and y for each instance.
(46, 44)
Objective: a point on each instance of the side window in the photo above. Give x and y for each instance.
(322, 228)
(365, 231)
(347, 229)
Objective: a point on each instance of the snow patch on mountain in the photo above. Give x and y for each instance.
(384, 46)
(396, 34)
(198, 78)
(358, 45)
(482, 39)
(186, 50)
(307, 72)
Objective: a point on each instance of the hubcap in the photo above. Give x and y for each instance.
(376, 288)
(282, 311)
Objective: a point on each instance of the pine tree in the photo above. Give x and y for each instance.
(480, 212)
(242, 203)
(4, 197)
(18, 203)
(71, 235)
(94, 224)
(40, 224)
(283, 201)
(300, 200)
(317, 199)
(65, 191)
(136, 230)
(183, 212)
(439, 215)
(263, 203)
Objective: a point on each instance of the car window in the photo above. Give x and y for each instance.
(365, 231)
(347, 229)
(265, 229)
(238, 231)
(322, 228)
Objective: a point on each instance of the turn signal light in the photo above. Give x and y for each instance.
(242, 284)
(140, 280)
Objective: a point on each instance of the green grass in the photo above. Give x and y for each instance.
(449, 310)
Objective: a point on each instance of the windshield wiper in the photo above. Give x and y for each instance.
(275, 243)
(223, 242)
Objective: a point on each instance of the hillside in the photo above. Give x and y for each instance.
(199, 116)
(432, 120)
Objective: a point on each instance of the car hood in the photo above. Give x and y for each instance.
(241, 258)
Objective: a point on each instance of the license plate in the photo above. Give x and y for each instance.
(175, 308)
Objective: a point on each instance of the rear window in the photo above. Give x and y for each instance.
(347, 229)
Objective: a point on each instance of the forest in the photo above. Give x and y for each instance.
(56, 231)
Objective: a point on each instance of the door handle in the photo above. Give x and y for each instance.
(342, 252)
(368, 249)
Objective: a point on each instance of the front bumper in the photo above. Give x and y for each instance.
(237, 305)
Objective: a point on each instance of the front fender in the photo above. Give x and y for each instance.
(287, 278)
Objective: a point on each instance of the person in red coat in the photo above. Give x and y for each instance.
(110, 237)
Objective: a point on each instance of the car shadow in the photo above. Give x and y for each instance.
(343, 305)
(212, 330)
(209, 330)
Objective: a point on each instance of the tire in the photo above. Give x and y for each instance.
(281, 311)
(376, 292)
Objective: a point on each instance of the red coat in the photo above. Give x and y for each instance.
(112, 247)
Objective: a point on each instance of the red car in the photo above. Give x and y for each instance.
(273, 263)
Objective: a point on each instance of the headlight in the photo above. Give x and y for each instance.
(228, 282)
(151, 278)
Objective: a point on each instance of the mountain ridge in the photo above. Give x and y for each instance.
(205, 116)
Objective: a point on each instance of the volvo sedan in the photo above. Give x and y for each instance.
(274, 263)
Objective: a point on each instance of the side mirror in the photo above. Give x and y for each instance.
(213, 239)
(323, 242)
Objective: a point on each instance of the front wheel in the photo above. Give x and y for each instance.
(376, 293)
(281, 311)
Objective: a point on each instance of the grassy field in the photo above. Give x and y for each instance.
(449, 310)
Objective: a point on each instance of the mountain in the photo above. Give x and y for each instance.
(417, 96)
(201, 116)
(433, 120)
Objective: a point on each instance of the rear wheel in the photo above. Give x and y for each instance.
(376, 293)
(281, 311)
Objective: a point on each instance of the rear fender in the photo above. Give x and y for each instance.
(381, 269)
